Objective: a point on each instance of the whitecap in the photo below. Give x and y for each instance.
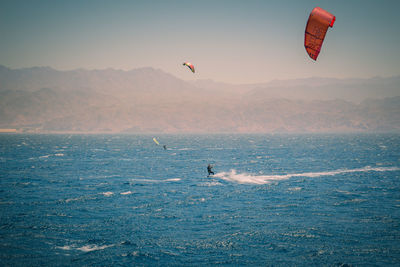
(350, 201)
(73, 199)
(343, 192)
(145, 180)
(127, 159)
(86, 248)
(107, 194)
(295, 189)
(89, 248)
(156, 181)
(214, 183)
(83, 198)
(173, 180)
(126, 193)
(65, 247)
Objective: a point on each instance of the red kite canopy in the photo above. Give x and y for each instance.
(190, 66)
(316, 28)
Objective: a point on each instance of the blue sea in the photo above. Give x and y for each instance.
(275, 200)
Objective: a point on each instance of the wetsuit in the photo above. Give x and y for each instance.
(209, 170)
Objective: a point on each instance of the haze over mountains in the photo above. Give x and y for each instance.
(41, 99)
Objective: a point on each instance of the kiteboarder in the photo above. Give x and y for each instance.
(209, 170)
(165, 147)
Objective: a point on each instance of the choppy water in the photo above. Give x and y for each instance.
(102, 200)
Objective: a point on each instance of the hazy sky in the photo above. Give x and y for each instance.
(230, 41)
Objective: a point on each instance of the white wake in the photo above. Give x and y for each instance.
(246, 178)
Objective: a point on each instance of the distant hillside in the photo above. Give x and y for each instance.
(355, 90)
(150, 100)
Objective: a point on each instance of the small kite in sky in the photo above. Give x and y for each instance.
(190, 66)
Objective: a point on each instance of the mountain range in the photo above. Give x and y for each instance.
(148, 100)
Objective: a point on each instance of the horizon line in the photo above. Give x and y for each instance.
(204, 79)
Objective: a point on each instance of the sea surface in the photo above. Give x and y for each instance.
(275, 200)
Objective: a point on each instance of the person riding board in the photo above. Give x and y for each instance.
(209, 170)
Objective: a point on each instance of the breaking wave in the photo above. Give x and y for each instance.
(245, 178)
